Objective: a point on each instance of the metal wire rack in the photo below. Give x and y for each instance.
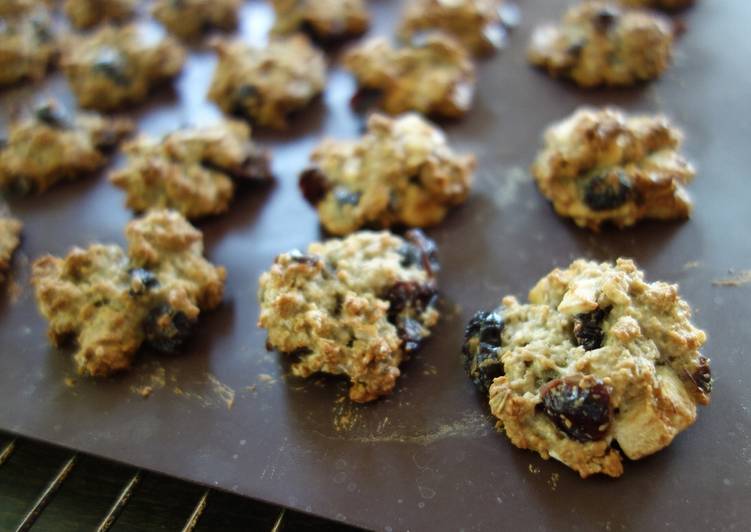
(276, 519)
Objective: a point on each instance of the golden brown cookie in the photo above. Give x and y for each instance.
(189, 19)
(191, 170)
(598, 364)
(326, 19)
(117, 67)
(49, 146)
(401, 172)
(266, 85)
(112, 303)
(599, 43)
(433, 75)
(605, 167)
(28, 44)
(10, 238)
(474, 23)
(355, 307)
(84, 14)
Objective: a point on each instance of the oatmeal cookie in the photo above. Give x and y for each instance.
(433, 76)
(356, 307)
(189, 19)
(266, 85)
(191, 170)
(50, 146)
(599, 360)
(10, 238)
(84, 14)
(668, 5)
(112, 303)
(599, 43)
(401, 172)
(28, 44)
(326, 19)
(604, 166)
(475, 23)
(116, 67)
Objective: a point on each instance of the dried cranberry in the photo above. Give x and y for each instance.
(588, 328)
(167, 329)
(408, 300)
(314, 185)
(607, 191)
(702, 375)
(425, 248)
(482, 340)
(582, 412)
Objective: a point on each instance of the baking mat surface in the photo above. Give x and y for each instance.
(224, 414)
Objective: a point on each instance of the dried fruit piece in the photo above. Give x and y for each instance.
(482, 340)
(583, 412)
(588, 328)
(166, 329)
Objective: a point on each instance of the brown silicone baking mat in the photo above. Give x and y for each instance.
(223, 414)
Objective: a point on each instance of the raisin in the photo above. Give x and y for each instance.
(588, 328)
(407, 301)
(582, 413)
(111, 64)
(702, 376)
(427, 250)
(314, 185)
(482, 340)
(605, 18)
(51, 115)
(607, 191)
(142, 280)
(344, 196)
(167, 329)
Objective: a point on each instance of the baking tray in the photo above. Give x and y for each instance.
(223, 413)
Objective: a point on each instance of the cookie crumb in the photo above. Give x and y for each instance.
(736, 279)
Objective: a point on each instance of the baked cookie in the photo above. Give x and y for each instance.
(598, 43)
(49, 146)
(325, 19)
(266, 85)
(668, 5)
(474, 23)
(599, 360)
(10, 238)
(603, 166)
(355, 307)
(189, 19)
(191, 170)
(84, 14)
(117, 67)
(401, 172)
(113, 302)
(433, 76)
(28, 44)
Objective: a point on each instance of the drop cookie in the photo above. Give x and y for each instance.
(10, 238)
(433, 75)
(474, 23)
(191, 170)
(84, 14)
(599, 364)
(117, 67)
(28, 43)
(189, 19)
(599, 43)
(50, 145)
(355, 307)
(606, 167)
(266, 85)
(401, 172)
(325, 19)
(112, 302)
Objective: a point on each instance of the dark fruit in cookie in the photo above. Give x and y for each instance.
(482, 340)
(167, 329)
(581, 412)
(314, 185)
(702, 376)
(422, 248)
(607, 191)
(408, 300)
(142, 280)
(588, 329)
